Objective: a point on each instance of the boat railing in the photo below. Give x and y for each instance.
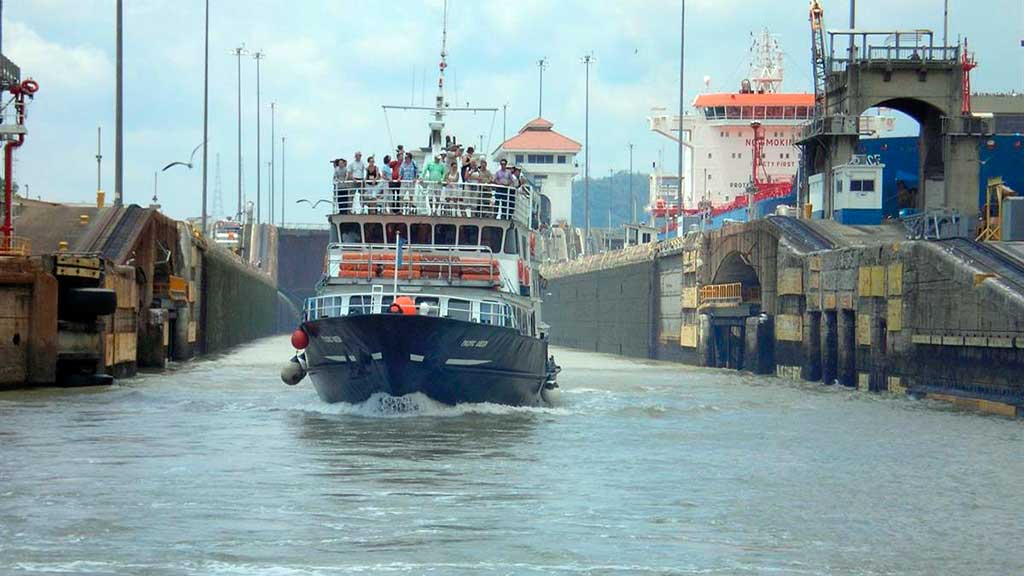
(359, 263)
(482, 311)
(423, 198)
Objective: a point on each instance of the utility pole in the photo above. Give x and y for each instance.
(257, 56)
(587, 60)
(206, 107)
(238, 52)
(118, 113)
(99, 159)
(273, 109)
(542, 64)
(282, 180)
(504, 119)
(632, 200)
(682, 99)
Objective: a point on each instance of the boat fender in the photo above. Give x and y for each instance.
(552, 396)
(300, 339)
(292, 373)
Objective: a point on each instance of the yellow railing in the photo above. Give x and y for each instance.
(731, 294)
(15, 246)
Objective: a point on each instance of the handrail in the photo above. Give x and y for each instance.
(15, 246)
(424, 198)
(335, 305)
(728, 294)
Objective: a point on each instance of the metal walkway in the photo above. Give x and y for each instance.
(988, 257)
(800, 234)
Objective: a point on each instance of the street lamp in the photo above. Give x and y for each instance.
(273, 109)
(587, 60)
(257, 56)
(682, 98)
(237, 53)
(542, 65)
(206, 103)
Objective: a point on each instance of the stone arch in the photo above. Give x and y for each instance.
(736, 267)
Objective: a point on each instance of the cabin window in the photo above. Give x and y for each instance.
(732, 112)
(334, 233)
(561, 159)
(510, 241)
(789, 112)
(469, 236)
(720, 111)
(351, 233)
(433, 305)
(775, 112)
(395, 229)
(519, 158)
(359, 305)
(444, 234)
(862, 185)
(490, 236)
(373, 233)
(460, 310)
(420, 233)
(494, 314)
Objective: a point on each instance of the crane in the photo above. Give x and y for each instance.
(819, 61)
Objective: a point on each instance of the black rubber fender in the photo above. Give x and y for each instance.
(86, 303)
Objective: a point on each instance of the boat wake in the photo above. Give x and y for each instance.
(382, 405)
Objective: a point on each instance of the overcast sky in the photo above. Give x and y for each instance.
(331, 64)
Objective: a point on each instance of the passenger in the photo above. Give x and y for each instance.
(394, 176)
(372, 186)
(471, 196)
(503, 191)
(486, 193)
(522, 191)
(467, 161)
(356, 177)
(407, 172)
(433, 175)
(451, 193)
(342, 191)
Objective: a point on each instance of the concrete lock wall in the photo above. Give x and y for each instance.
(603, 311)
(899, 316)
(236, 301)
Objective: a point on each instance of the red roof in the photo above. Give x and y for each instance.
(734, 99)
(538, 135)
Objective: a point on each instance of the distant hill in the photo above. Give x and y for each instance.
(609, 192)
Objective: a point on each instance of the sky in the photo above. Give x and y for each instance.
(331, 64)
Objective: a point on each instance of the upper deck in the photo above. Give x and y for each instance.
(424, 200)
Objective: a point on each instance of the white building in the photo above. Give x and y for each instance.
(548, 158)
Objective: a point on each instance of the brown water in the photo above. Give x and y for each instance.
(217, 468)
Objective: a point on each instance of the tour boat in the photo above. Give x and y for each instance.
(428, 288)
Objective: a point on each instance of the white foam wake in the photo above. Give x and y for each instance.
(382, 405)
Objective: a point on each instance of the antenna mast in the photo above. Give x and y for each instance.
(438, 124)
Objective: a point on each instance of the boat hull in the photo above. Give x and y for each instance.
(351, 358)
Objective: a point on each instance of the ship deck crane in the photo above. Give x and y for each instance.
(819, 60)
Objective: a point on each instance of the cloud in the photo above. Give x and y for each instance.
(57, 67)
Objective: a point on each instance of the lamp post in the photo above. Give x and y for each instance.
(273, 110)
(542, 65)
(587, 60)
(682, 98)
(118, 114)
(632, 200)
(238, 52)
(206, 102)
(257, 56)
(282, 180)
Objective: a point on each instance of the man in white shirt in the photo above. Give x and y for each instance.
(357, 169)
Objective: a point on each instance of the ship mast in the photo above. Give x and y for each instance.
(438, 124)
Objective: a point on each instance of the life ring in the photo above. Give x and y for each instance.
(29, 86)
